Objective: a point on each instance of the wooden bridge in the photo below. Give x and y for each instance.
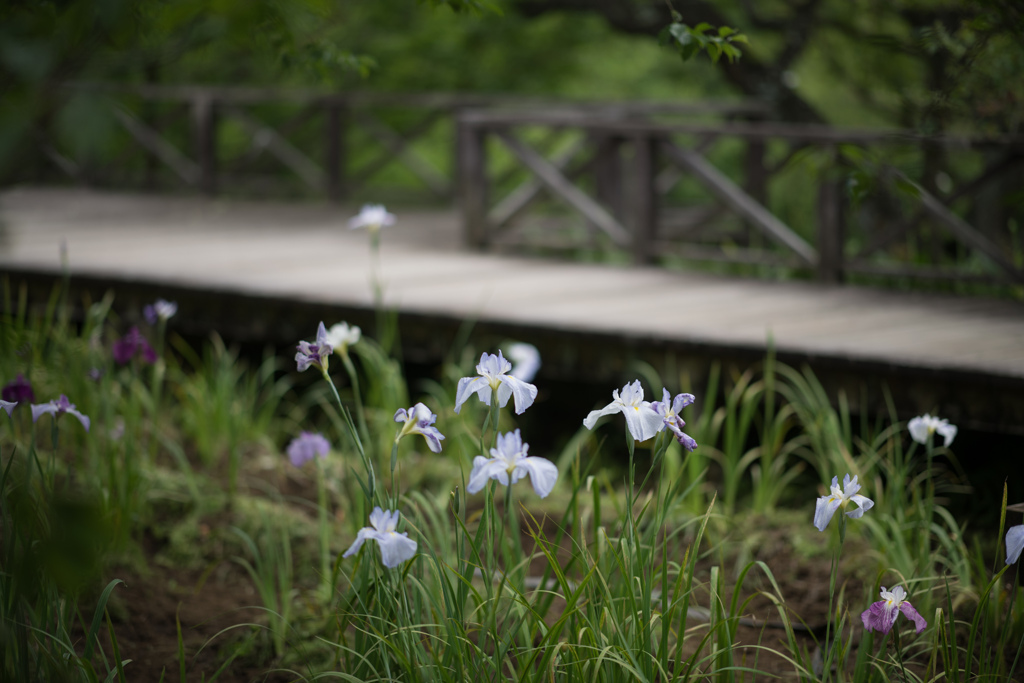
(637, 184)
(268, 271)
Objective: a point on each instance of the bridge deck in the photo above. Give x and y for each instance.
(305, 253)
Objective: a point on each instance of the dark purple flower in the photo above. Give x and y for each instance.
(57, 408)
(160, 309)
(133, 343)
(881, 616)
(314, 353)
(306, 446)
(670, 410)
(19, 390)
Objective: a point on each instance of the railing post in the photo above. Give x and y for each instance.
(335, 152)
(756, 184)
(643, 198)
(204, 127)
(472, 175)
(831, 224)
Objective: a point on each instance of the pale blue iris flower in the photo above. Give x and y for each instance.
(493, 375)
(307, 446)
(8, 405)
(641, 419)
(395, 548)
(509, 463)
(419, 420)
(838, 499)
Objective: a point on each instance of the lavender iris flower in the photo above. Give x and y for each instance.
(922, 427)
(132, 344)
(306, 446)
(419, 420)
(18, 390)
(395, 548)
(1014, 543)
(881, 616)
(492, 375)
(509, 463)
(670, 411)
(57, 408)
(838, 499)
(8, 406)
(160, 309)
(315, 353)
(642, 421)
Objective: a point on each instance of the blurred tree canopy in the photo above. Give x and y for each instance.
(931, 65)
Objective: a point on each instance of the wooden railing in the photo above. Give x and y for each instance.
(837, 203)
(217, 139)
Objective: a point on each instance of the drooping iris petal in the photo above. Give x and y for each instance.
(8, 405)
(1014, 543)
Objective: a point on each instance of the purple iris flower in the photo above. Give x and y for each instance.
(18, 390)
(315, 353)
(419, 420)
(306, 446)
(131, 344)
(670, 412)
(57, 408)
(881, 616)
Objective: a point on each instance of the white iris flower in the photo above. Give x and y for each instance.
(642, 420)
(493, 375)
(921, 428)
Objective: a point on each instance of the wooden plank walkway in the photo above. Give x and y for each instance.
(305, 253)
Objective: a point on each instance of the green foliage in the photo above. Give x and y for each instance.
(690, 41)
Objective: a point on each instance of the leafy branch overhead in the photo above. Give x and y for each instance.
(689, 41)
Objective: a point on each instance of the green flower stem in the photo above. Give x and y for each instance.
(364, 433)
(393, 497)
(830, 642)
(899, 650)
(325, 547)
(371, 483)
